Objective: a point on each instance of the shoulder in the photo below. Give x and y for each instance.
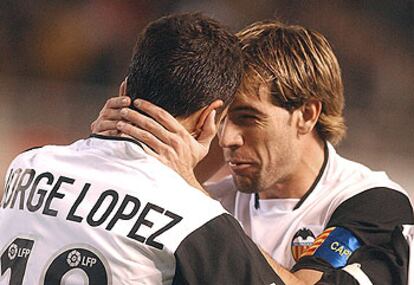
(174, 190)
(224, 191)
(345, 179)
(25, 155)
(219, 252)
(221, 187)
(373, 214)
(345, 172)
(376, 202)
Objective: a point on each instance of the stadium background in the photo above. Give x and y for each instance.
(60, 61)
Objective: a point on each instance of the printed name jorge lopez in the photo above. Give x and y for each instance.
(22, 186)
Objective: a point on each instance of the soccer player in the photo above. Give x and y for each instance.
(102, 211)
(326, 219)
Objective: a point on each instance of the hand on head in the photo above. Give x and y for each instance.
(162, 135)
(110, 114)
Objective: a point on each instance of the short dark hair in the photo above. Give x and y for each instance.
(184, 62)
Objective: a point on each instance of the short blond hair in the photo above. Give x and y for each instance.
(299, 65)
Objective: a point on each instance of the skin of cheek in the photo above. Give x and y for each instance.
(274, 143)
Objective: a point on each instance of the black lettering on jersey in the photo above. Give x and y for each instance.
(120, 215)
(175, 220)
(71, 215)
(14, 260)
(55, 194)
(41, 193)
(25, 181)
(142, 221)
(8, 195)
(7, 186)
(113, 195)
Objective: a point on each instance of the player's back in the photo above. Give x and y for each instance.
(99, 210)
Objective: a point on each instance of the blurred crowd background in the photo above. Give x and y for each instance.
(60, 61)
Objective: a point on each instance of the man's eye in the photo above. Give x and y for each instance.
(248, 117)
(245, 119)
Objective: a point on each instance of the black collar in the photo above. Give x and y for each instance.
(318, 178)
(116, 138)
(321, 171)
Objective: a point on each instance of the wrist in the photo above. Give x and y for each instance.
(192, 180)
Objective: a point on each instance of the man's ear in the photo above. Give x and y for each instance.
(308, 116)
(202, 119)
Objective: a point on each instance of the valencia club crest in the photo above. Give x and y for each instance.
(301, 241)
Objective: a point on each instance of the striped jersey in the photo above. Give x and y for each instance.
(102, 211)
(348, 209)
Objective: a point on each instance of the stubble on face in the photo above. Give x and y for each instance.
(268, 141)
(248, 184)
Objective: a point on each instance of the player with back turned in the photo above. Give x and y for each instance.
(102, 211)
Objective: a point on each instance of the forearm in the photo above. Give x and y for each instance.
(302, 277)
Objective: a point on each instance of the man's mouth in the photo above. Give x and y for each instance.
(240, 167)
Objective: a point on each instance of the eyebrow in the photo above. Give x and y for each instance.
(246, 109)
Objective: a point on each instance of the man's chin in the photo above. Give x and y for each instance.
(244, 184)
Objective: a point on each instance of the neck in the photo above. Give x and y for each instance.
(304, 174)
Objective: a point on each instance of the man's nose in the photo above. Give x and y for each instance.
(230, 135)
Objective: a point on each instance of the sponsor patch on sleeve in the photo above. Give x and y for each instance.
(335, 245)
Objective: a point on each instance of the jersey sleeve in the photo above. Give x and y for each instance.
(219, 252)
(362, 241)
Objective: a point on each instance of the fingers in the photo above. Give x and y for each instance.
(107, 127)
(117, 102)
(106, 121)
(160, 115)
(111, 113)
(111, 133)
(144, 136)
(92, 126)
(146, 123)
(149, 151)
(104, 127)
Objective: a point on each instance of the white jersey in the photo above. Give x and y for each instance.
(101, 211)
(408, 232)
(286, 228)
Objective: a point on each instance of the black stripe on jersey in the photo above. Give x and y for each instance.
(372, 216)
(32, 148)
(339, 278)
(321, 171)
(303, 198)
(116, 139)
(383, 265)
(219, 252)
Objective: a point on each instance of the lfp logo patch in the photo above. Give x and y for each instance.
(301, 241)
(335, 245)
